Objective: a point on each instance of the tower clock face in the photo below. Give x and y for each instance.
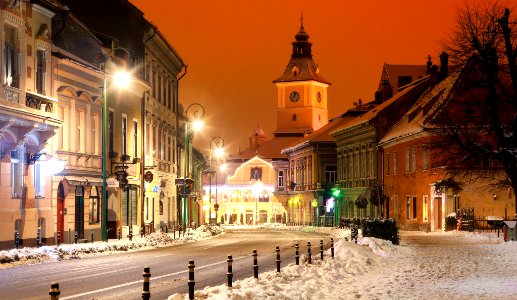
(294, 96)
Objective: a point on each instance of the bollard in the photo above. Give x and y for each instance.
(130, 233)
(17, 239)
(75, 237)
(146, 293)
(191, 281)
(58, 237)
(92, 236)
(255, 263)
(309, 252)
(321, 249)
(354, 233)
(332, 247)
(297, 254)
(38, 237)
(174, 232)
(54, 291)
(229, 274)
(69, 236)
(166, 229)
(278, 258)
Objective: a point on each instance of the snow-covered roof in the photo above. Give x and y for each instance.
(412, 122)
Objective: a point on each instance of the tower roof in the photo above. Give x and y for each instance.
(301, 67)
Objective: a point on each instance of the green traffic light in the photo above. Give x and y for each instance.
(336, 192)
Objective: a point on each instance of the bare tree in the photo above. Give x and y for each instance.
(475, 131)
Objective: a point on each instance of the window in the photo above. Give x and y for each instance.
(39, 179)
(395, 162)
(294, 117)
(425, 202)
(61, 130)
(169, 148)
(94, 205)
(372, 173)
(363, 165)
(456, 202)
(95, 134)
(330, 174)
(124, 134)
(425, 158)
(41, 63)
(414, 207)
(387, 164)
(408, 206)
(111, 133)
(147, 138)
(11, 57)
(79, 138)
(161, 207)
(407, 161)
(17, 172)
(413, 160)
(281, 178)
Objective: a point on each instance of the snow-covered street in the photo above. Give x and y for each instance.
(451, 265)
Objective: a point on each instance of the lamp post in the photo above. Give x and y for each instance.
(121, 79)
(197, 112)
(219, 143)
(222, 168)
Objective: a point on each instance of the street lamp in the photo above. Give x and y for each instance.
(222, 168)
(121, 79)
(219, 144)
(197, 112)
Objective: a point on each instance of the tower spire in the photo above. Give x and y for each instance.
(301, 19)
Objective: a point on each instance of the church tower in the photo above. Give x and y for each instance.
(301, 92)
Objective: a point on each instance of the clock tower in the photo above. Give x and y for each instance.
(301, 92)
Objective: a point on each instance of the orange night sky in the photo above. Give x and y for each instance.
(234, 49)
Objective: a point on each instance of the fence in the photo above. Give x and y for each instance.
(55, 292)
(467, 221)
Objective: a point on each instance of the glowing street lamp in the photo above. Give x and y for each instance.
(222, 168)
(121, 80)
(197, 112)
(219, 152)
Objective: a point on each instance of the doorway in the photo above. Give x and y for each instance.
(79, 212)
(438, 204)
(61, 210)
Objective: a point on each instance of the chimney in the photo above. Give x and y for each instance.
(429, 64)
(444, 66)
(433, 76)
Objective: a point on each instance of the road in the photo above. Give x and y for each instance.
(120, 275)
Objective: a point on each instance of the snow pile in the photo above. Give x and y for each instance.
(207, 231)
(66, 251)
(307, 281)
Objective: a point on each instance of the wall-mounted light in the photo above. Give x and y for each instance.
(495, 196)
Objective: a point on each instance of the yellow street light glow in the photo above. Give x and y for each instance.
(122, 79)
(198, 124)
(219, 152)
(223, 167)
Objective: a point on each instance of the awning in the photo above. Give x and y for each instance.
(83, 180)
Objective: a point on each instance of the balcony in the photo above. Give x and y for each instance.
(40, 102)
